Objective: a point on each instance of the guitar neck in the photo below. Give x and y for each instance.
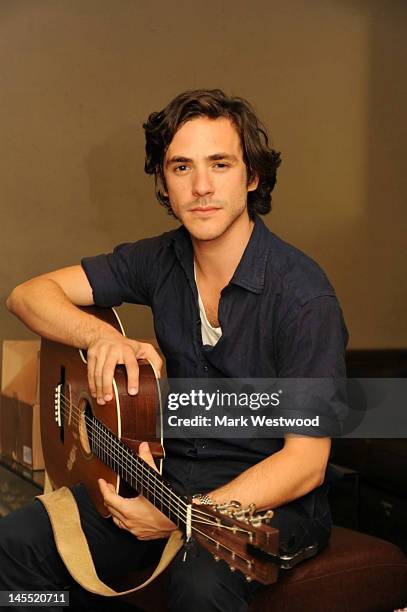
(137, 473)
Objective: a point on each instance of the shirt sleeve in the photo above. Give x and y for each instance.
(126, 275)
(312, 346)
(312, 342)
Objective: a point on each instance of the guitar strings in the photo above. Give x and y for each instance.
(141, 470)
(144, 465)
(123, 449)
(107, 451)
(125, 452)
(210, 522)
(234, 553)
(169, 494)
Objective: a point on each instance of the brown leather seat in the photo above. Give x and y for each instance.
(355, 573)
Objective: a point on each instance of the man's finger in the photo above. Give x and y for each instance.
(130, 361)
(110, 497)
(147, 351)
(91, 373)
(107, 377)
(145, 453)
(100, 361)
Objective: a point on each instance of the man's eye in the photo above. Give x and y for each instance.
(181, 168)
(221, 165)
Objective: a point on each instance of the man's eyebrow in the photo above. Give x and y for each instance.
(226, 156)
(176, 159)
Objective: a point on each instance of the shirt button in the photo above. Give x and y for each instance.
(198, 321)
(205, 368)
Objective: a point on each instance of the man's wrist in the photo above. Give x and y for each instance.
(99, 330)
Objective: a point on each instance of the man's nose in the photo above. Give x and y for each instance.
(202, 183)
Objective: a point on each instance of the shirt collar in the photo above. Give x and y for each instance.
(250, 272)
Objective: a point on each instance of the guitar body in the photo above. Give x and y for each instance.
(83, 441)
(66, 416)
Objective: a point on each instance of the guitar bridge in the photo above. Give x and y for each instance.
(60, 404)
(57, 404)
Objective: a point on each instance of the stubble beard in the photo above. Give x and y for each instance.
(219, 230)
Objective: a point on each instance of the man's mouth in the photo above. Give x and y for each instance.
(204, 210)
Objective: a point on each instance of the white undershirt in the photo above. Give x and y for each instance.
(210, 334)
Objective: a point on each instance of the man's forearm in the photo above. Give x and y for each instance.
(277, 480)
(44, 307)
(48, 305)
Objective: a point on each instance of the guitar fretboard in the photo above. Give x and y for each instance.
(136, 472)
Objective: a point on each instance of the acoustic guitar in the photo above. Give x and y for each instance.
(83, 441)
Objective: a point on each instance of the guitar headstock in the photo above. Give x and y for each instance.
(239, 536)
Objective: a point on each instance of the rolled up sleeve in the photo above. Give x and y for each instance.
(124, 275)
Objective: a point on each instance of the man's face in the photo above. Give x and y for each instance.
(206, 177)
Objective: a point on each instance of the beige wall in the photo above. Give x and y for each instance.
(78, 77)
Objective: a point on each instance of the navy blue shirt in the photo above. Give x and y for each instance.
(279, 316)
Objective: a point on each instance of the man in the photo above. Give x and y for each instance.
(229, 299)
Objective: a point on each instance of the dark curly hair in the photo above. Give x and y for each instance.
(260, 159)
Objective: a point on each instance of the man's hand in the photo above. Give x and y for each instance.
(104, 353)
(136, 514)
(48, 304)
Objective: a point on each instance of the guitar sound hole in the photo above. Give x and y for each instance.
(85, 426)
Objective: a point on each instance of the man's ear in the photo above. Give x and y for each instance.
(254, 183)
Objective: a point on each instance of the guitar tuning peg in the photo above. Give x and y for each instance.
(249, 578)
(258, 519)
(229, 507)
(243, 514)
(266, 516)
(255, 521)
(252, 509)
(216, 558)
(232, 568)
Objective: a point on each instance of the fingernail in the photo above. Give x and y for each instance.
(101, 400)
(133, 391)
(108, 397)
